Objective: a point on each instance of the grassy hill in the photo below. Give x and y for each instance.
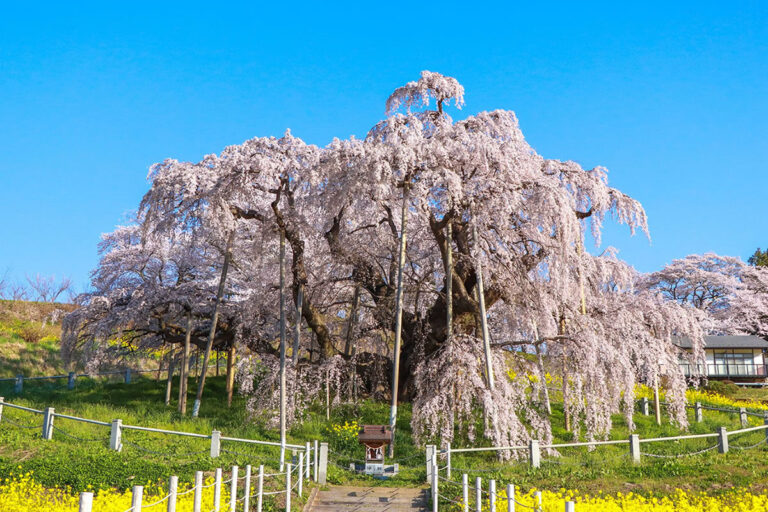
(29, 337)
(78, 456)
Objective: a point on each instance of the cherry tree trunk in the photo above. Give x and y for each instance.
(297, 326)
(352, 320)
(169, 382)
(230, 373)
(184, 370)
(540, 363)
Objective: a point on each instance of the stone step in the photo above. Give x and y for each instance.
(373, 499)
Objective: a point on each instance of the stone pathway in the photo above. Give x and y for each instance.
(369, 499)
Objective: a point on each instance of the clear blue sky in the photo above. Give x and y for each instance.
(672, 97)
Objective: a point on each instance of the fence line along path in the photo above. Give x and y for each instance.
(369, 499)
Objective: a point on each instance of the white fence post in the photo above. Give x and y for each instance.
(215, 444)
(722, 445)
(71, 380)
(260, 488)
(2, 399)
(173, 491)
(634, 447)
(197, 506)
(697, 409)
(300, 474)
(570, 506)
(430, 452)
(247, 489)
(537, 495)
(478, 494)
(644, 406)
(448, 460)
(48, 423)
(86, 502)
(19, 387)
(316, 455)
(288, 487)
(307, 460)
(534, 453)
(743, 416)
(492, 495)
(233, 490)
(137, 496)
(465, 491)
(217, 491)
(127, 375)
(510, 498)
(435, 495)
(323, 464)
(116, 436)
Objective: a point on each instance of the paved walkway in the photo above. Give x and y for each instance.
(369, 499)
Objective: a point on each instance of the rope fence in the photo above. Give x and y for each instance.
(247, 499)
(117, 442)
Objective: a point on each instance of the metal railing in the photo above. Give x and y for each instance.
(725, 369)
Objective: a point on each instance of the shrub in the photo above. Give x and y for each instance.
(30, 332)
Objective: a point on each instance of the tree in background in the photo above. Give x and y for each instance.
(759, 258)
(733, 295)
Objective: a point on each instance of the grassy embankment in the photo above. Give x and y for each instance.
(71, 462)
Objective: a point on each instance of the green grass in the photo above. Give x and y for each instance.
(65, 461)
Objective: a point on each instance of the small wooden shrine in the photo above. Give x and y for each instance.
(375, 438)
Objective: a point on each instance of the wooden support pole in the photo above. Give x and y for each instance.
(169, 381)
(483, 316)
(398, 318)
(282, 350)
(214, 321)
